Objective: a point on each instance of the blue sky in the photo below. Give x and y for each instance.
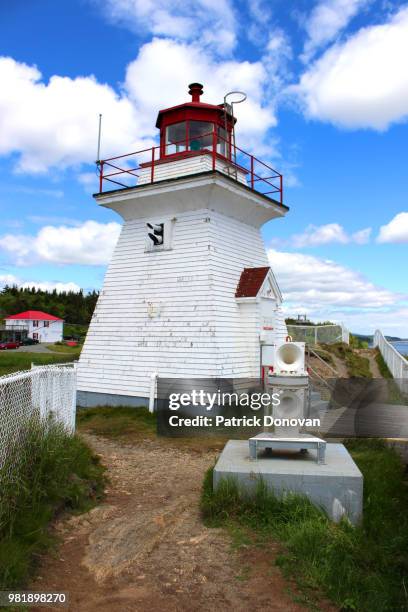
(327, 105)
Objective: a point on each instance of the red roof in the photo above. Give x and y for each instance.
(251, 281)
(36, 315)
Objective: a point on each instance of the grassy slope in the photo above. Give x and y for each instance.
(357, 366)
(362, 568)
(15, 361)
(55, 472)
(382, 366)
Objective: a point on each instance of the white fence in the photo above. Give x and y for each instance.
(397, 364)
(319, 334)
(43, 392)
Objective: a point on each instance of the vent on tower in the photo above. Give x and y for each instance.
(156, 233)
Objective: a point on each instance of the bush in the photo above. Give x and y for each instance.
(54, 472)
(360, 568)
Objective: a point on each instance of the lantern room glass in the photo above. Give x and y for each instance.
(200, 135)
(195, 136)
(223, 147)
(176, 138)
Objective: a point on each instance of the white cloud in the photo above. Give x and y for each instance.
(324, 290)
(325, 234)
(56, 123)
(212, 23)
(396, 230)
(310, 280)
(326, 20)
(8, 279)
(91, 243)
(331, 233)
(362, 236)
(163, 68)
(11, 280)
(361, 83)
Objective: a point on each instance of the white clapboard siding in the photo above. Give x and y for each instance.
(193, 164)
(174, 311)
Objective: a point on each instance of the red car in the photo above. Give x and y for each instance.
(9, 345)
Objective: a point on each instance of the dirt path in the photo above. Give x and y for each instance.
(146, 549)
(370, 355)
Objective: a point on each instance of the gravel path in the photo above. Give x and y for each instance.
(145, 548)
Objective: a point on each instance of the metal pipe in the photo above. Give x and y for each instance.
(98, 154)
(101, 177)
(152, 396)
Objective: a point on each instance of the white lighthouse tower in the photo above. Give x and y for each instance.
(189, 292)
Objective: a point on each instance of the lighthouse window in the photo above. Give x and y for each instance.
(222, 142)
(200, 135)
(176, 138)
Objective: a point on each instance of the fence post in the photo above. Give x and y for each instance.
(101, 177)
(252, 171)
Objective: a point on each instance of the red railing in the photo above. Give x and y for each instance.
(140, 167)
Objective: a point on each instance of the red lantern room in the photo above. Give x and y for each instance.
(195, 138)
(194, 126)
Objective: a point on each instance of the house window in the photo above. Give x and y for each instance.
(46, 323)
(35, 336)
(35, 323)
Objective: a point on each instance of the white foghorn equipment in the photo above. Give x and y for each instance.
(290, 359)
(291, 406)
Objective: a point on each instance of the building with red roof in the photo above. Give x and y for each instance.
(35, 324)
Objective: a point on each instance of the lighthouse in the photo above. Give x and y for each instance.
(189, 291)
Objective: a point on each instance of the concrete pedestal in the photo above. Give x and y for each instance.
(336, 486)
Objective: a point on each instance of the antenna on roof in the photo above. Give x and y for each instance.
(98, 154)
(229, 110)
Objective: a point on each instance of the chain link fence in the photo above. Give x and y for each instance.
(40, 394)
(319, 334)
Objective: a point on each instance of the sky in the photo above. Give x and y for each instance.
(327, 105)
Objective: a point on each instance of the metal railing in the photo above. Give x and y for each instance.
(396, 363)
(124, 171)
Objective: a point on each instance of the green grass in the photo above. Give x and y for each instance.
(357, 366)
(382, 366)
(15, 361)
(363, 568)
(130, 425)
(117, 421)
(63, 348)
(55, 472)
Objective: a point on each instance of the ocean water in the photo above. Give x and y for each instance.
(401, 346)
